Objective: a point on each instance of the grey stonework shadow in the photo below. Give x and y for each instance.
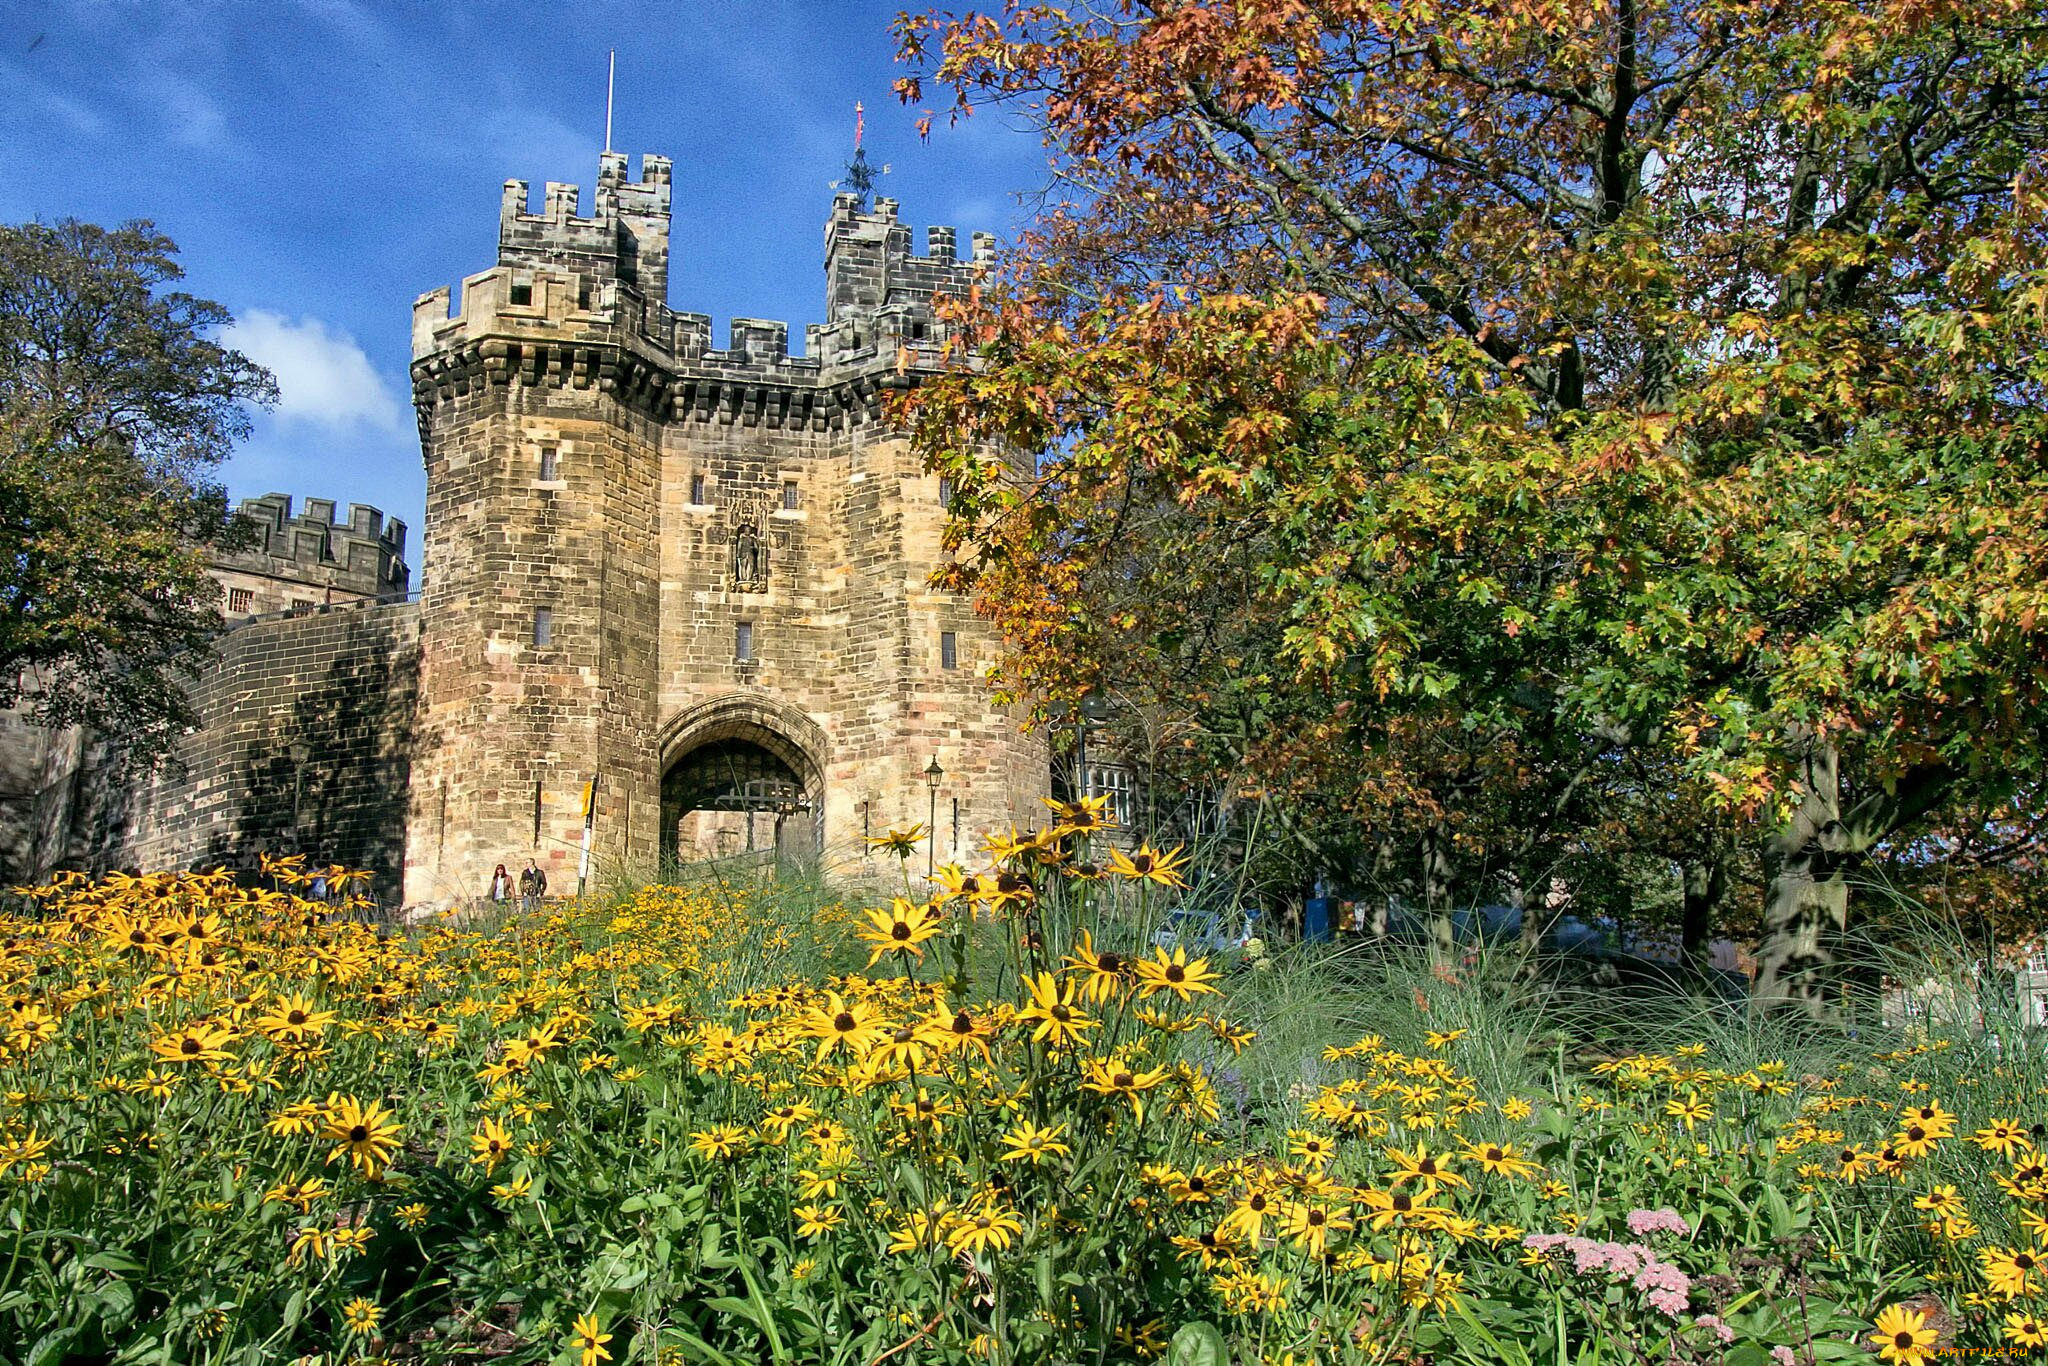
(330, 777)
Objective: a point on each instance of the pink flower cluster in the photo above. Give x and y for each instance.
(1644, 1222)
(1666, 1287)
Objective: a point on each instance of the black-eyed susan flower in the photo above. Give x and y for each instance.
(2010, 1272)
(200, 1042)
(1499, 1159)
(360, 1316)
(901, 843)
(1903, 1337)
(587, 1338)
(2026, 1330)
(1173, 973)
(1120, 1076)
(986, 1227)
(1103, 973)
(364, 1133)
(1146, 864)
(815, 1221)
(901, 929)
(2002, 1136)
(489, 1145)
(843, 1026)
(1028, 1142)
(1052, 1013)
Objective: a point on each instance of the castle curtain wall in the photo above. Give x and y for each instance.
(305, 745)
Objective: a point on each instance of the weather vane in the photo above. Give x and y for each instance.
(860, 172)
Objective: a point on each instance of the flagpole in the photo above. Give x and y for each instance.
(610, 75)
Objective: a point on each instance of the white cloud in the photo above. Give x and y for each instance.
(322, 375)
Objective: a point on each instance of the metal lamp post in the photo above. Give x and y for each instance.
(932, 774)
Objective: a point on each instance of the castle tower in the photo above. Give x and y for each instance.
(700, 575)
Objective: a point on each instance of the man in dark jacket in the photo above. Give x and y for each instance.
(533, 885)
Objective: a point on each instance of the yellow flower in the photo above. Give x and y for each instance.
(1122, 1077)
(1103, 973)
(1029, 1143)
(1436, 1040)
(1309, 1227)
(2026, 1329)
(1146, 864)
(2009, 1271)
(1499, 1159)
(2002, 1136)
(902, 928)
(586, 1336)
(490, 1145)
(1903, 1336)
(719, 1142)
(1052, 1007)
(815, 1221)
(1176, 974)
(518, 1188)
(1692, 1108)
(988, 1228)
(901, 843)
(365, 1134)
(359, 1316)
(1426, 1169)
(202, 1041)
(839, 1025)
(293, 1018)
(411, 1216)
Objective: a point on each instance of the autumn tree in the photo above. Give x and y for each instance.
(1656, 385)
(116, 406)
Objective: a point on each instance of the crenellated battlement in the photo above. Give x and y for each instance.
(624, 240)
(362, 553)
(574, 301)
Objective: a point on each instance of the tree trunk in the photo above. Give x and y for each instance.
(1706, 882)
(1806, 898)
(1436, 896)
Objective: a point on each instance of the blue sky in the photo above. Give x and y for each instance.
(321, 164)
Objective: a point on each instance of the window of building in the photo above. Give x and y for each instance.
(789, 495)
(522, 296)
(239, 599)
(949, 650)
(303, 604)
(543, 626)
(1113, 782)
(697, 489)
(945, 492)
(743, 641)
(547, 464)
(583, 296)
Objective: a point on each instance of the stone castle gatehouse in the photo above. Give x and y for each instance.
(695, 576)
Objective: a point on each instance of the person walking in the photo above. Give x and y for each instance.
(501, 886)
(533, 885)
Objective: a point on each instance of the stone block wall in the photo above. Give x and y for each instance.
(305, 744)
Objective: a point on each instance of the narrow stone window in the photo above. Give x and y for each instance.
(743, 641)
(949, 650)
(543, 626)
(945, 492)
(522, 296)
(547, 464)
(697, 489)
(583, 297)
(789, 495)
(240, 598)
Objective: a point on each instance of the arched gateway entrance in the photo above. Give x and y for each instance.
(742, 774)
